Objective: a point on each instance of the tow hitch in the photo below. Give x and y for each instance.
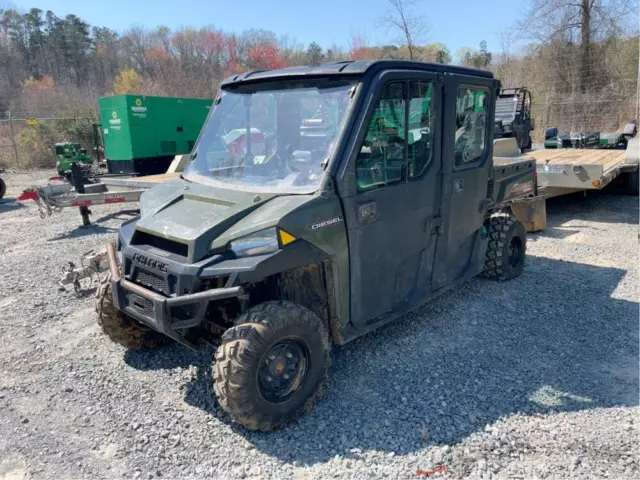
(92, 264)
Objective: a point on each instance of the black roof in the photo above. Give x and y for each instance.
(512, 91)
(350, 68)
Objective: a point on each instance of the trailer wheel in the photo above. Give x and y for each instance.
(633, 182)
(272, 365)
(507, 247)
(121, 328)
(3, 188)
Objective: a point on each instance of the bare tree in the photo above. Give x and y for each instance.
(580, 22)
(358, 45)
(412, 27)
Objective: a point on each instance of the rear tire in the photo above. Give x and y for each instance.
(504, 259)
(272, 365)
(3, 188)
(121, 328)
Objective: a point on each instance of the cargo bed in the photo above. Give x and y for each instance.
(513, 179)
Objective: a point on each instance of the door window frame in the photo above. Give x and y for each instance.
(347, 181)
(482, 158)
(435, 136)
(405, 149)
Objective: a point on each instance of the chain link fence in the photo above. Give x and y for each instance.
(604, 112)
(27, 142)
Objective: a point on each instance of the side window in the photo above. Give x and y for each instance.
(381, 158)
(422, 123)
(471, 125)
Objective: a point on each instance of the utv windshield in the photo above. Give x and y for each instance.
(506, 108)
(272, 138)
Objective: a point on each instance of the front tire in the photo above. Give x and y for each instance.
(504, 259)
(120, 327)
(272, 365)
(3, 188)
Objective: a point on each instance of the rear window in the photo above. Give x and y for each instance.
(506, 108)
(471, 126)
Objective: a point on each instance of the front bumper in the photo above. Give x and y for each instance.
(166, 315)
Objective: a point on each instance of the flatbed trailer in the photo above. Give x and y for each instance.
(53, 197)
(569, 170)
(563, 171)
(139, 182)
(84, 192)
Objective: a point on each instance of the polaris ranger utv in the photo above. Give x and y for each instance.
(513, 116)
(319, 204)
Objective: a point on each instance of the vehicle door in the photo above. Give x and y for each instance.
(469, 108)
(391, 195)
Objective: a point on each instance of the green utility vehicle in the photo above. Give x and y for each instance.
(513, 116)
(68, 153)
(142, 133)
(319, 204)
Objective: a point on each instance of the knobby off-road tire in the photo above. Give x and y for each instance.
(506, 250)
(249, 358)
(3, 188)
(121, 328)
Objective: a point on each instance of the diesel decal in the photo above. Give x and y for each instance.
(150, 262)
(326, 223)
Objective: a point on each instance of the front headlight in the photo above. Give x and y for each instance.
(258, 243)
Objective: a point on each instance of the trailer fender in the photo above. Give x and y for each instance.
(632, 153)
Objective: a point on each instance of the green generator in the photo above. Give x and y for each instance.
(68, 153)
(143, 133)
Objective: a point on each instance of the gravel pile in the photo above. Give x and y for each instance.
(534, 378)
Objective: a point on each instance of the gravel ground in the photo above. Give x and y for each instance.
(534, 378)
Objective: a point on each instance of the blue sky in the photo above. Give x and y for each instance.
(454, 22)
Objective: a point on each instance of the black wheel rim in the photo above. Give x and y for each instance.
(515, 251)
(283, 370)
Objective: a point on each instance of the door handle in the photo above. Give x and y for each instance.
(432, 224)
(367, 212)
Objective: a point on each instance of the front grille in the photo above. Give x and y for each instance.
(173, 284)
(156, 282)
(141, 305)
